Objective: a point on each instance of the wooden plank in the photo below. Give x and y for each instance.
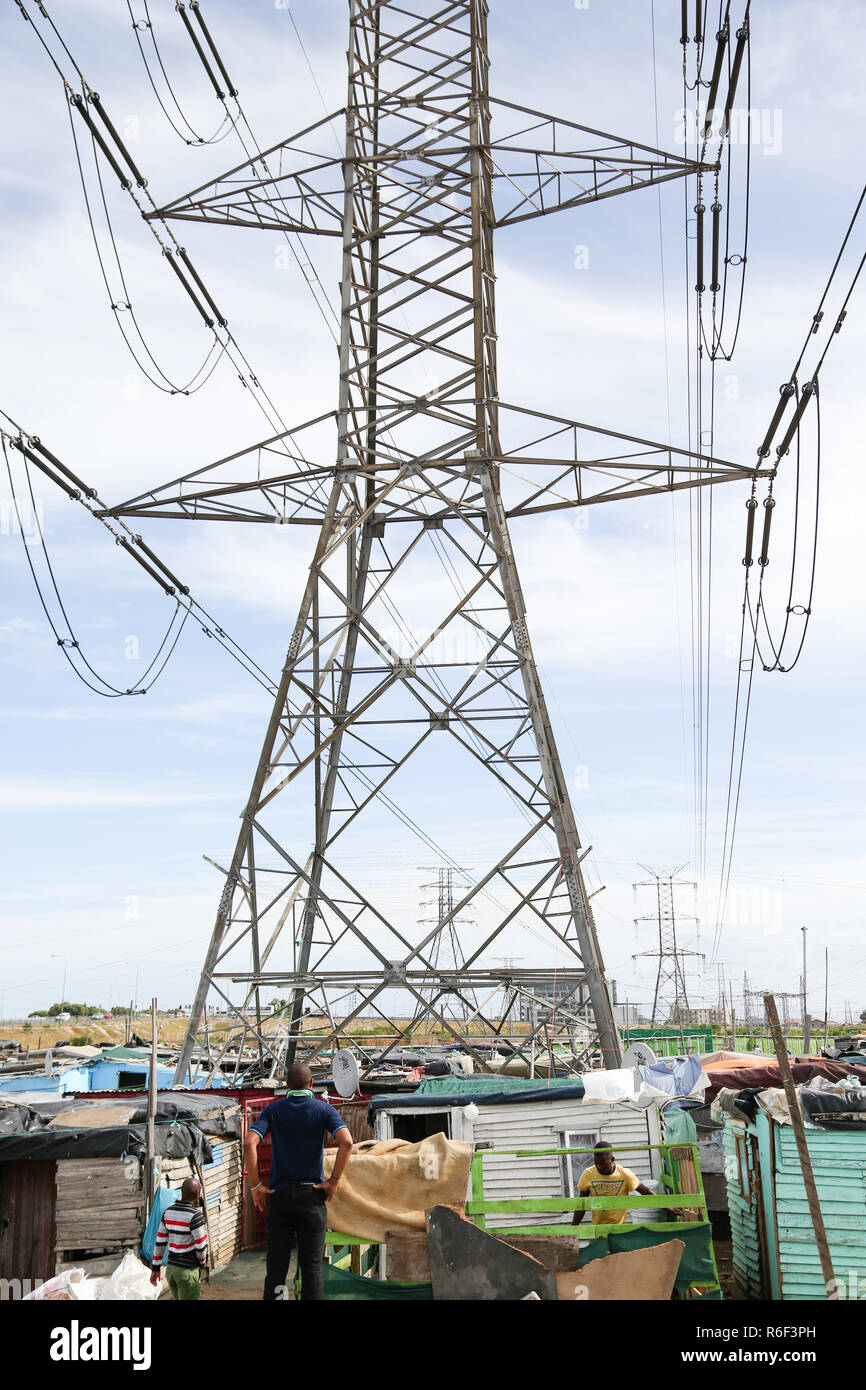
(802, 1147)
(27, 1235)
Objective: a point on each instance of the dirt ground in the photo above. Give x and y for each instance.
(170, 1031)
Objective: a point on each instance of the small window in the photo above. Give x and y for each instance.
(574, 1164)
(743, 1171)
(415, 1126)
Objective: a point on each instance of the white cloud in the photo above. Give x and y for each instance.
(38, 793)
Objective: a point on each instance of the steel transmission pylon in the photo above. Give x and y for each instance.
(409, 489)
(446, 949)
(670, 996)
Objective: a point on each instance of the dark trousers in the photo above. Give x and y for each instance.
(296, 1214)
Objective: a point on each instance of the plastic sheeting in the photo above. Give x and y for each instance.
(214, 1114)
(176, 1140)
(163, 1199)
(531, 1096)
(608, 1087)
(676, 1076)
(759, 1078)
(340, 1284)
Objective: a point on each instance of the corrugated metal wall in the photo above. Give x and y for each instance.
(743, 1211)
(540, 1127)
(839, 1164)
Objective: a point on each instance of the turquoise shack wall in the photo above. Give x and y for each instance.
(791, 1269)
(743, 1213)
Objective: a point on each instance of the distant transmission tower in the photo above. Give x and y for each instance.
(670, 1000)
(447, 951)
(754, 1005)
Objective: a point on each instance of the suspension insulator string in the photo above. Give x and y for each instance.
(184, 589)
(763, 558)
(196, 9)
(43, 467)
(200, 51)
(785, 394)
(751, 510)
(78, 103)
(715, 283)
(36, 443)
(221, 320)
(805, 397)
(699, 233)
(722, 43)
(167, 252)
(742, 36)
(109, 126)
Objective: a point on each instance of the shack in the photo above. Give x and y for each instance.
(515, 1113)
(774, 1250)
(73, 1177)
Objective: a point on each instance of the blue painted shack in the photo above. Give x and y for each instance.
(774, 1250)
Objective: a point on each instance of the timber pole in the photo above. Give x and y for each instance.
(151, 1109)
(802, 1148)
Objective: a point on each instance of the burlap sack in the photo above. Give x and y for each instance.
(389, 1185)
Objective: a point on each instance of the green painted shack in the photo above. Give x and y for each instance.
(774, 1250)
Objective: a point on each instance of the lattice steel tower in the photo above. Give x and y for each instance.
(671, 996)
(409, 490)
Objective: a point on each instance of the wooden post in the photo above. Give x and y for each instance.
(211, 1253)
(802, 1148)
(151, 1109)
(826, 988)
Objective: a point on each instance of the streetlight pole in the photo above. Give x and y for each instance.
(55, 956)
(807, 1031)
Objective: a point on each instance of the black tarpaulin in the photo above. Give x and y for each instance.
(219, 1115)
(171, 1140)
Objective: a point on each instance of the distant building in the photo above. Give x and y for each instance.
(552, 993)
(700, 1018)
(626, 1015)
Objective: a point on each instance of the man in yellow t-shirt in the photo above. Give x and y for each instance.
(607, 1178)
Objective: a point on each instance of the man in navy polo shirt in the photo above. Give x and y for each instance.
(297, 1124)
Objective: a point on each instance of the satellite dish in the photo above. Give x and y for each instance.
(345, 1071)
(639, 1054)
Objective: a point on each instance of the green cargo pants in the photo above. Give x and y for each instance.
(184, 1283)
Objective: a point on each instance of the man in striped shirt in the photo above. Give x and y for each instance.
(184, 1230)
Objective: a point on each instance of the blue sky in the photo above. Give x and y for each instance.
(108, 806)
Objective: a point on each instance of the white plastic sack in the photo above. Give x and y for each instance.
(130, 1281)
(56, 1288)
(608, 1087)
